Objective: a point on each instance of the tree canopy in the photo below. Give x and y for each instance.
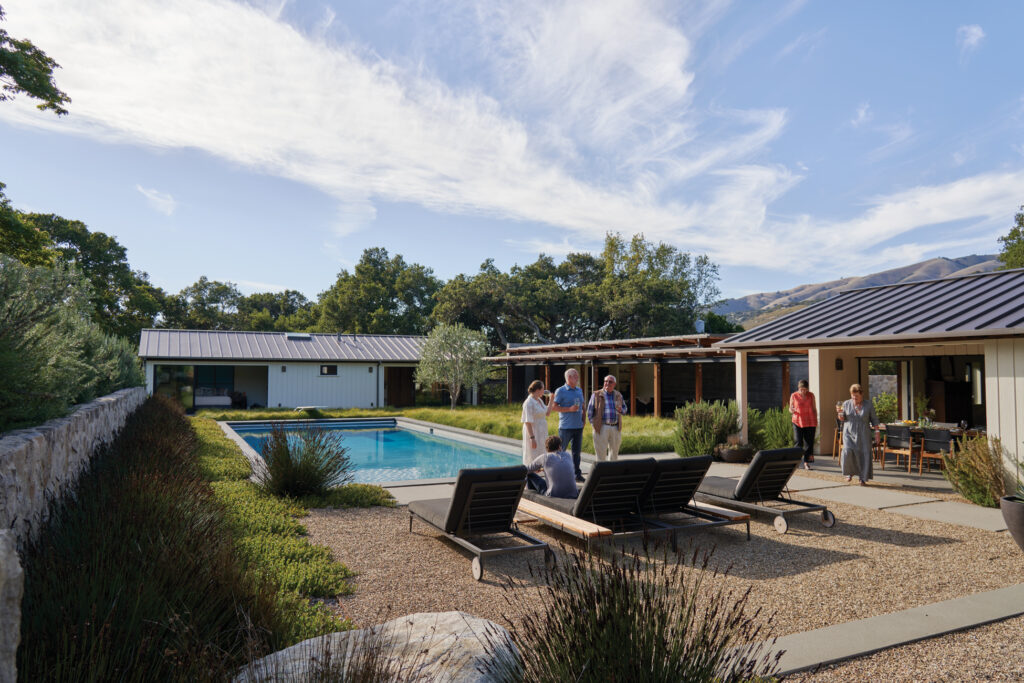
(25, 69)
(1012, 253)
(383, 295)
(453, 356)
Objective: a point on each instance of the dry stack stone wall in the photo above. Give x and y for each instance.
(37, 465)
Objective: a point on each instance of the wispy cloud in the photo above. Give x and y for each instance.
(252, 286)
(862, 116)
(806, 43)
(968, 39)
(159, 201)
(896, 134)
(542, 246)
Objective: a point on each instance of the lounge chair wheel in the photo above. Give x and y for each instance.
(828, 519)
(549, 559)
(478, 569)
(781, 525)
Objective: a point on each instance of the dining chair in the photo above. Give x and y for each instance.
(937, 443)
(898, 441)
(837, 440)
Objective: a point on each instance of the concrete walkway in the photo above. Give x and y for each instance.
(812, 649)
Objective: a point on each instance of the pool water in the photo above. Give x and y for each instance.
(394, 454)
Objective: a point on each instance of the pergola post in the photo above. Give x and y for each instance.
(657, 389)
(632, 389)
(741, 392)
(698, 382)
(785, 383)
(508, 383)
(547, 376)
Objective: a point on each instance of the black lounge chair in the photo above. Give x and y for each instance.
(608, 505)
(761, 487)
(483, 503)
(671, 489)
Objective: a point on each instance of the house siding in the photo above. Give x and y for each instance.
(300, 384)
(1004, 395)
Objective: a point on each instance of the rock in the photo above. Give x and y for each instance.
(12, 581)
(447, 647)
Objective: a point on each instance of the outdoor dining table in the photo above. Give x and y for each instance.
(917, 438)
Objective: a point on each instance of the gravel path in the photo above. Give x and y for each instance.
(871, 563)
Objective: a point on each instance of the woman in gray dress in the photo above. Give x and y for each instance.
(859, 420)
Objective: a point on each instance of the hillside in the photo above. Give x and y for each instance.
(756, 309)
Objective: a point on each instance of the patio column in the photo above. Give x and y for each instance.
(547, 376)
(741, 392)
(508, 383)
(698, 382)
(632, 390)
(657, 389)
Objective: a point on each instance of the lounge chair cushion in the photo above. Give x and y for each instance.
(722, 487)
(613, 489)
(434, 511)
(768, 474)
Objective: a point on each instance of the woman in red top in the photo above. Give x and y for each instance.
(805, 420)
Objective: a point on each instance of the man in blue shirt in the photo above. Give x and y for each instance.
(568, 403)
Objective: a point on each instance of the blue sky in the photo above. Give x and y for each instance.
(269, 143)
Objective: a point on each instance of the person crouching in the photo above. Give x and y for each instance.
(559, 480)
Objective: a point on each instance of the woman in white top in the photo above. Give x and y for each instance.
(535, 423)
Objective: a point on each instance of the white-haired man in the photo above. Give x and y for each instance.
(605, 412)
(568, 403)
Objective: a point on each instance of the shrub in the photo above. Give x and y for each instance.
(976, 470)
(775, 429)
(307, 462)
(885, 407)
(702, 425)
(607, 621)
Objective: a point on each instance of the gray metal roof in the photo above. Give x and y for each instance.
(971, 306)
(277, 346)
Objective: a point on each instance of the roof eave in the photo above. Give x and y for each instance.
(873, 340)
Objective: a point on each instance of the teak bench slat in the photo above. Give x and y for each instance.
(731, 515)
(578, 526)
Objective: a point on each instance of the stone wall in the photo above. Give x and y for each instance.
(44, 462)
(37, 465)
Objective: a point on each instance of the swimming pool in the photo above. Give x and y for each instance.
(381, 451)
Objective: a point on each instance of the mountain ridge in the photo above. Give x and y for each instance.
(755, 309)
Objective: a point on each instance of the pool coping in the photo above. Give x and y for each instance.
(499, 443)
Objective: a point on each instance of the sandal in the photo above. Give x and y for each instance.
(849, 478)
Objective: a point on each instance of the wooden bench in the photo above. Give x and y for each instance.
(731, 515)
(567, 523)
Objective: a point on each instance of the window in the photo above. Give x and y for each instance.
(328, 370)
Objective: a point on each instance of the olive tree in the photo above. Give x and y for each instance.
(453, 355)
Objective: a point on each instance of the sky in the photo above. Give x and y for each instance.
(268, 143)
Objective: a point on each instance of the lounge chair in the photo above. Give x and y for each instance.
(608, 506)
(761, 487)
(483, 503)
(670, 493)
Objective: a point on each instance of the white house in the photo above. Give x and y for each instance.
(205, 368)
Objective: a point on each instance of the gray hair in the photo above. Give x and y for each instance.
(570, 371)
(611, 377)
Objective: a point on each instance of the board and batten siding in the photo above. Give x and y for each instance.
(1004, 394)
(300, 384)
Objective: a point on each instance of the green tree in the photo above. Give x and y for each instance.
(482, 301)
(383, 295)
(453, 356)
(287, 311)
(25, 69)
(205, 305)
(20, 239)
(719, 324)
(1012, 253)
(123, 300)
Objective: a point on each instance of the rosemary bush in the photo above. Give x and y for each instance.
(976, 470)
(700, 426)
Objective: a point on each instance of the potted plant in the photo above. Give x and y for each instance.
(734, 451)
(1012, 507)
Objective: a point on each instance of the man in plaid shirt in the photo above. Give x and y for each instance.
(603, 411)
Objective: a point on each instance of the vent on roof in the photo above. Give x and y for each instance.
(297, 335)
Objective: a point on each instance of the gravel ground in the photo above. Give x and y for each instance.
(871, 563)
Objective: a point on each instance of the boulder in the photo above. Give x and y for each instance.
(448, 647)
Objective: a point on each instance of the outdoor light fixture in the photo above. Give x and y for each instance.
(839, 363)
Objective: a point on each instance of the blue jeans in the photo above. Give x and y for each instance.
(575, 437)
(536, 482)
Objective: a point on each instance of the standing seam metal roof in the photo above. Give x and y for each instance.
(277, 346)
(967, 306)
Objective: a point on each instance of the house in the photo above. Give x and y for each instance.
(655, 374)
(957, 341)
(212, 368)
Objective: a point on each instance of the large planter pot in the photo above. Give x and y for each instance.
(739, 454)
(1013, 513)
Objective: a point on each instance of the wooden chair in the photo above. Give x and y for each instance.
(837, 440)
(898, 441)
(937, 443)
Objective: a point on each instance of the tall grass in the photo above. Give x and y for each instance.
(136, 578)
(637, 617)
(306, 462)
(645, 434)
